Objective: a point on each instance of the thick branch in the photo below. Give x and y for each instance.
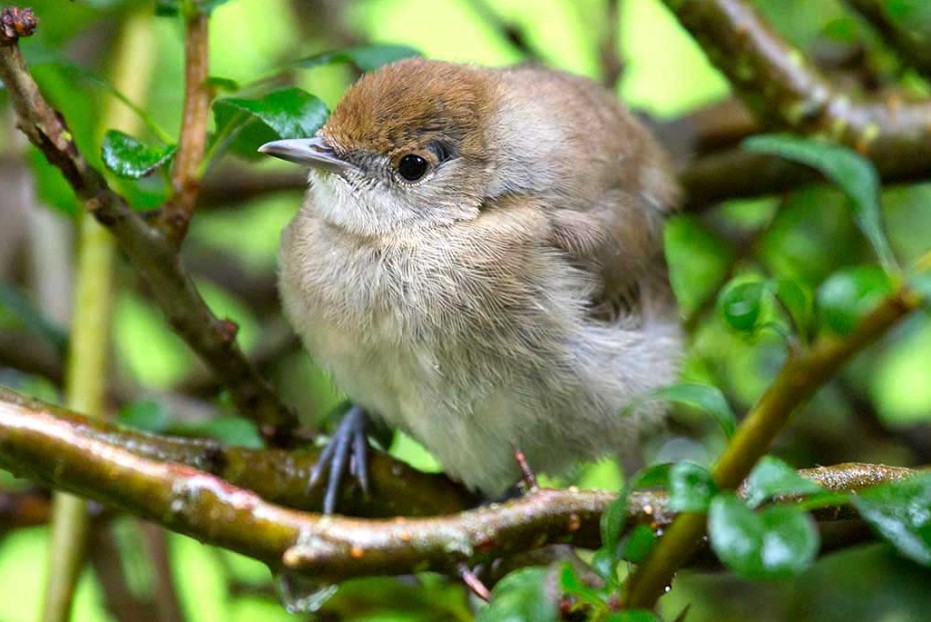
(177, 212)
(276, 475)
(786, 92)
(152, 255)
(64, 450)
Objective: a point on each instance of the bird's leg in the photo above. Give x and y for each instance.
(347, 450)
(528, 477)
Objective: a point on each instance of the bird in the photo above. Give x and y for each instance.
(479, 262)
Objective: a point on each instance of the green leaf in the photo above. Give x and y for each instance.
(233, 431)
(52, 187)
(249, 123)
(604, 562)
(612, 522)
(797, 303)
(740, 304)
(691, 487)
(226, 85)
(129, 158)
(148, 416)
(365, 57)
(780, 541)
(651, 476)
(853, 174)
(901, 513)
(521, 597)
(573, 586)
(638, 544)
(705, 398)
(772, 477)
(848, 295)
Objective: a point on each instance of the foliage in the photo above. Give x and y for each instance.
(759, 282)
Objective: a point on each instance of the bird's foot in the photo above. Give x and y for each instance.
(347, 450)
(528, 479)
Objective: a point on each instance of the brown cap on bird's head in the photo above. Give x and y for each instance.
(403, 105)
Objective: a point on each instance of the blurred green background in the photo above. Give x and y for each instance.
(805, 236)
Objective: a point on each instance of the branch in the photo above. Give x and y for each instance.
(786, 92)
(800, 377)
(153, 256)
(177, 212)
(89, 461)
(276, 475)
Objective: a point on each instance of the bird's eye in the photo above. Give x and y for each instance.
(412, 167)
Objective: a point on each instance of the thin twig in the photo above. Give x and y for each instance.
(153, 256)
(177, 212)
(799, 379)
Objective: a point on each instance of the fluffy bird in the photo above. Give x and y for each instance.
(479, 262)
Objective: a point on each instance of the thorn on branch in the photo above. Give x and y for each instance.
(228, 329)
(16, 23)
(474, 584)
(528, 477)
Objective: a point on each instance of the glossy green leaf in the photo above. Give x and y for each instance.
(779, 541)
(772, 477)
(365, 57)
(853, 174)
(705, 398)
(129, 158)
(148, 416)
(901, 513)
(521, 597)
(246, 124)
(691, 487)
(847, 296)
(740, 304)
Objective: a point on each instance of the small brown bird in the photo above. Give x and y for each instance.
(479, 262)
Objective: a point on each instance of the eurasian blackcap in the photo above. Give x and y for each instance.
(479, 262)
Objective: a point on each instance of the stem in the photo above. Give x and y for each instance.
(186, 173)
(799, 379)
(86, 365)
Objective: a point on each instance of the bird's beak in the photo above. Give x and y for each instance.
(315, 152)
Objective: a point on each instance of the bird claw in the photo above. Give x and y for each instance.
(347, 450)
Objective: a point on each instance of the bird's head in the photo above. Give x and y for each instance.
(406, 148)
